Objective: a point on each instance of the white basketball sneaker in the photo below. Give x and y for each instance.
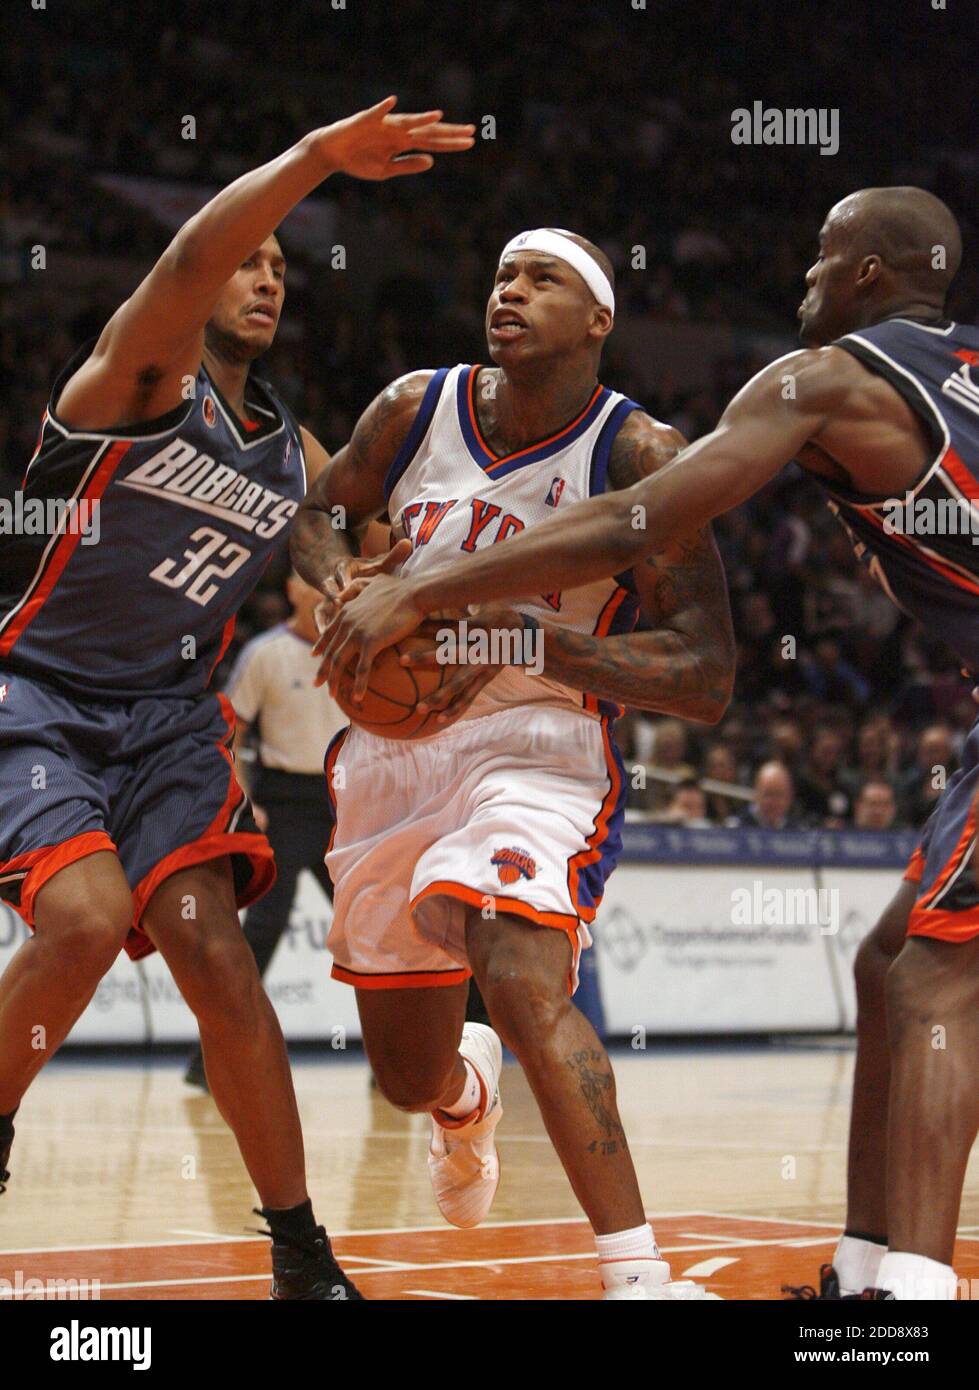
(462, 1160)
(647, 1279)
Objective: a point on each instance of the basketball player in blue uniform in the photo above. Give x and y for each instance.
(882, 409)
(122, 823)
(484, 849)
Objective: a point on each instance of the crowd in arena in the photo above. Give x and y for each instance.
(844, 714)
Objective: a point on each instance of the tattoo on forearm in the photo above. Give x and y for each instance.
(598, 1088)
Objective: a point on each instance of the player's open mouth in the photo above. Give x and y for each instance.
(261, 313)
(507, 330)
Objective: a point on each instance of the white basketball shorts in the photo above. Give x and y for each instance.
(518, 812)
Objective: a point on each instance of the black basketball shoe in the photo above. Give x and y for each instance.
(829, 1288)
(6, 1142)
(195, 1075)
(304, 1268)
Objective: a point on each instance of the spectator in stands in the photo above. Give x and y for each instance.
(688, 806)
(877, 747)
(876, 807)
(922, 785)
(830, 677)
(772, 806)
(668, 755)
(720, 766)
(786, 743)
(821, 794)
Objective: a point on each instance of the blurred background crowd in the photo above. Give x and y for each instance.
(858, 719)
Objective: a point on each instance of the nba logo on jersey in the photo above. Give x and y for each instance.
(511, 863)
(554, 496)
(3, 693)
(208, 411)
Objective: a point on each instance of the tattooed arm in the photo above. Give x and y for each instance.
(684, 665)
(349, 492)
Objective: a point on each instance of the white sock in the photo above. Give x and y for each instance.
(469, 1099)
(916, 1278)
(629, 1256)
(857, 1263)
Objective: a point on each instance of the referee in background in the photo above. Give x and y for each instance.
(271, 690)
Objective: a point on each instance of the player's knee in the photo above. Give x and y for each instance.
(870, 967)
(521, 1004)
(911, 1001)
(87, 944)
(220, 980)
(415, 1088)
(876, 954)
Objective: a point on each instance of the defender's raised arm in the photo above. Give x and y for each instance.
(154, 341)
(759, 433)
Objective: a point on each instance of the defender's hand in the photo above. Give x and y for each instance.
(374, 144)
(374, 613)
(352, 567)
(457, 693)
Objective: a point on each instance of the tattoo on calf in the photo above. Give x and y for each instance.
(598, 1088)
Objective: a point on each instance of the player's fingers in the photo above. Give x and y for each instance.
(409, 164)
(464, 698)
(323, 612)
(449, 691)
(364, 662)
(424, 659)
(386, 564)
(324, 642)
(336, 660)
(410, 120)
(440, 136)
(380, 108)
(352, 589)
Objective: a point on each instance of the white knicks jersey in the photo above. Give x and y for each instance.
(450, 495)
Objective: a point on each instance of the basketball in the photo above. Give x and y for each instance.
(389, 706)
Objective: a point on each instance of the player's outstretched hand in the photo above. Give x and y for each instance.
(374, 613)
(375, 144)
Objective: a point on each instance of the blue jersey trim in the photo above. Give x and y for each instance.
(500, 467)
(602, 452)
(419, 428)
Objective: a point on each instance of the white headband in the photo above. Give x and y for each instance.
(558, 243)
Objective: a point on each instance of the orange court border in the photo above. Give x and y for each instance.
(733, 1256)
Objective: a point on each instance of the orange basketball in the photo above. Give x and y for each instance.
(389, 706)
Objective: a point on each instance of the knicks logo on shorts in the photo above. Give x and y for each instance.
(511, 863)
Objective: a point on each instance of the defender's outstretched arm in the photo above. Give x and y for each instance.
(761, 431)
(155, 339)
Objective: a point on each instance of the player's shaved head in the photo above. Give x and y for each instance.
(912, 232)
(883, 253)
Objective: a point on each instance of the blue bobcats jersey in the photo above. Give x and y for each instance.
(923, 548)
(134, 548)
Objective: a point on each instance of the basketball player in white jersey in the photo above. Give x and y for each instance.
(484, 848)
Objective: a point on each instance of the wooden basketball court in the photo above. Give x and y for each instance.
(124, 1175)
